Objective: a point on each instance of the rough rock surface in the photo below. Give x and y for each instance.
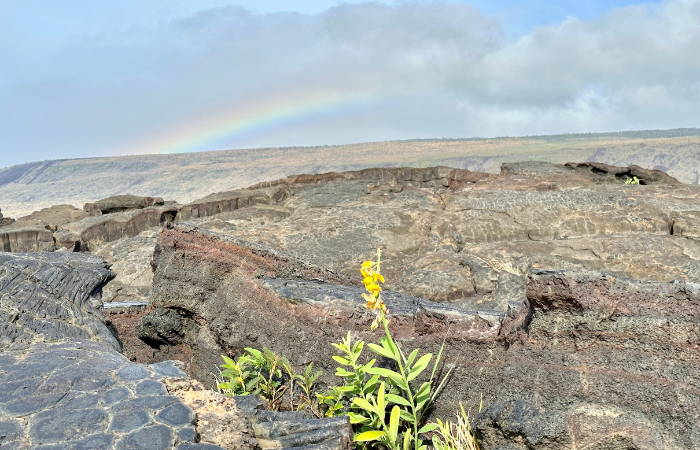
(586, 359)
(220, 420)
(63, 382)
(35, 232)
(18, 238)
(130, 259)
(120, 203)
(91, 232)
(53, 217)
(451, 234)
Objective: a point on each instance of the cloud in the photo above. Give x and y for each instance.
(420, 69)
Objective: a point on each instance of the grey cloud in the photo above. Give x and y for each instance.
(426, 70)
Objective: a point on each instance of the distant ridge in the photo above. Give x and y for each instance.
(629, 134)
(187, 176)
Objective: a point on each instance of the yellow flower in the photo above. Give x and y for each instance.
(371, 279)
(371, 301)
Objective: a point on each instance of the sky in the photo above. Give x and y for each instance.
(80, 78)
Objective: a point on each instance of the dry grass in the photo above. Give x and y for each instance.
(455, 435)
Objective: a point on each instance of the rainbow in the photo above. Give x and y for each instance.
(234, 127)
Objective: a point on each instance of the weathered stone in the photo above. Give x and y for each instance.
(90, 233)
(219, 419)
(51, 297)
(52, 217)
(15, 238)
(34, 233)
(230, 201)
(120, 203)
(164, 326)
(451, 244)
(584, 426)
(130, 259)
(521, 423)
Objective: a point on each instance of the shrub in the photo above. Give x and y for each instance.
(261, 372)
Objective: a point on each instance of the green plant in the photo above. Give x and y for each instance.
(270, 380)
(370, 399)
(243, 377)
(455, 436)
(633, 180)
(305, 381)
(260, 372)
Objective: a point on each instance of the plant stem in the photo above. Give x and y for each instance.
(403, 374)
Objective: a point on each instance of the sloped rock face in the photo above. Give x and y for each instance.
(585, 360)
(50, 298)
(53, 217)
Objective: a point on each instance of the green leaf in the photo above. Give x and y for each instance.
(381, 406)
(340, 360)
(254, 352)
(411, 357)
(369, 385)
(340, 372)
(369, 364)
(251, 384)
(437, 360)
(357, 348)
(420, 366)
(423, 392)
(228, 361)
(437, 444)
(357, 418)
(338, 346)
(381, 351)
(407, 440)
(390, 347)
(364, 404)
(394, 424)
(345, 388)
(369, 436)
(428, 427)
(408, 417)
(397, 399)
(395, 378)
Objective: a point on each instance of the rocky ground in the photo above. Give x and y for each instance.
(567, 297)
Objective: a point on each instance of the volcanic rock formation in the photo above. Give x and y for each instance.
(65, 385)
(585, 360)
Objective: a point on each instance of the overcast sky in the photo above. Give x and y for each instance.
(93, 78)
